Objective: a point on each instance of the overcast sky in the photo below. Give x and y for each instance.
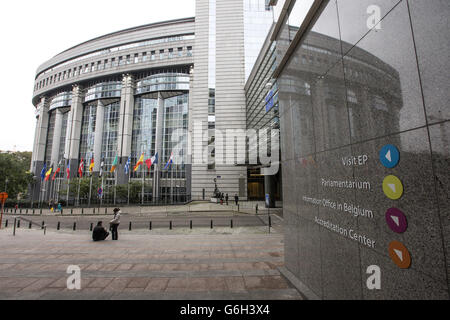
(35, 31)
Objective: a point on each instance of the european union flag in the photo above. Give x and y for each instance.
(44, 171)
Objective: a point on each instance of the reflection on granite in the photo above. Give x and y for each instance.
(338, 107)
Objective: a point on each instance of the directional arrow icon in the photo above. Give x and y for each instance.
(396, 220)
(392, 186)
(399, 254)
(388, 156)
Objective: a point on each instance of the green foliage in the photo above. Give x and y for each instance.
(15, 167)
(83, 184)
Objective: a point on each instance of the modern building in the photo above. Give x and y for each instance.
(172, 87)
(363, 105)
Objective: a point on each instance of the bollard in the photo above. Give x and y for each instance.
(191, 224)
(270, 223)
(14, 231)
(150, 225)
(92, 227)
(231, 223)
(129, 228)
(256, 208)
(6, 223)
(170, 227)
(29, 226)
(106, 210)
(58, 227)
(82, 210)
(18, 224)
(212, 225)
(43, 224)
(71, 211)
(74, 226)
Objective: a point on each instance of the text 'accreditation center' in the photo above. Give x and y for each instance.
(337, 108)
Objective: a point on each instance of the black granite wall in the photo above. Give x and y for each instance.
(350, 89)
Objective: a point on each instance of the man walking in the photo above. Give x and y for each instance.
(115, 224)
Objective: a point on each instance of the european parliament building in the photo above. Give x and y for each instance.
(165, 88)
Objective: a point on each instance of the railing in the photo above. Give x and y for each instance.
(17, 221)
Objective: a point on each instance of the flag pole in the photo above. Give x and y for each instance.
(115, 186)
(90, 191)
(129, 178)
(78, 196)
(143, 184)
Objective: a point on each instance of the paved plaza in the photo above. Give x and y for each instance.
(205, 264)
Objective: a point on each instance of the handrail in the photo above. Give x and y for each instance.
(16, 218)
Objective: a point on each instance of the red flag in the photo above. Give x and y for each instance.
(68, 170)
(56, 172)
(80, 168)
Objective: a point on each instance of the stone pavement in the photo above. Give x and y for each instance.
(207, 265)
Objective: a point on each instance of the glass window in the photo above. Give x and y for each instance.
(180, 52)
(153, 55)
(189, 51)
(170, 53)
(136, 58)
(161, 54)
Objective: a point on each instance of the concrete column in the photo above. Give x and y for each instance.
(57, 138)
(98, 135)
(159, 144)
(125, 126)
(76, 117)
(39, 146)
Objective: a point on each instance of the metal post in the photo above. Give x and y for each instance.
(150, 225)
(14, 231)
(129, 228)
(170, 227)
(231, 223)
(191, 225)
(212, 224)
(74, 226)
(59, 226)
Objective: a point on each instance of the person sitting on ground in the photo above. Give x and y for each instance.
(99, 233)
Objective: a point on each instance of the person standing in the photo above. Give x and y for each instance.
(236, 199)
(226, 198)
(115, 224)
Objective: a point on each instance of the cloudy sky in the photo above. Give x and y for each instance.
(35, 31)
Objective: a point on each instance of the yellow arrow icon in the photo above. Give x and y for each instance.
(393, 187)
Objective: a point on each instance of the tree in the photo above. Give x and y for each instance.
(14, 173)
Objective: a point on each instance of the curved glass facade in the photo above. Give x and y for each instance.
(144, 130)
(63, 99)
(111, 89)
(163, 82)
(88, 134)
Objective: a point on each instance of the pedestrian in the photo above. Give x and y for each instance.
(236, 199)
(59, 207)
(114, 223)
(226, 198)
(99, 233)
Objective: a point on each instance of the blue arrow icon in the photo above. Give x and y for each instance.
(389, 156)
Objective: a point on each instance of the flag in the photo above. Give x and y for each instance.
(101, 167)
(127, 165)
(140, 161)
(44, 170)
(81, 168)
(114, 165)
(169, 163)
(48, 174)
(68, 170)
(56, 172)
(152, 160)
(91, 166)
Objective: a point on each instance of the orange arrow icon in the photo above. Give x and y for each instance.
(399, 254)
